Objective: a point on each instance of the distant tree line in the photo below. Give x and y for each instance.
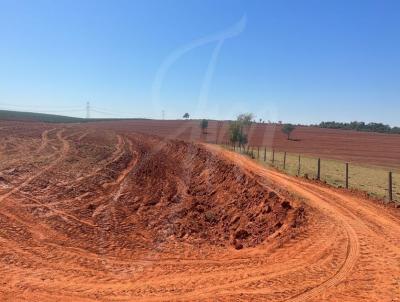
(360, 126)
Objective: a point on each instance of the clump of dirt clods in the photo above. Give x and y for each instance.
(183, 192)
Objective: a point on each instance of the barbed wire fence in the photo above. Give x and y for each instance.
(379, 182)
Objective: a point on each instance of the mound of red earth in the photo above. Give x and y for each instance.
(180, 191)
(130, 193)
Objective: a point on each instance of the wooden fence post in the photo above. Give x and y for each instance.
(299, 165)
(265, 153)
(258, 152)
(284, 160)
(347, 175)
(319, 169)
(390, 187)
(273, 156)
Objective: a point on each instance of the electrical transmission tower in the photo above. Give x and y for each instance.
(87, 110)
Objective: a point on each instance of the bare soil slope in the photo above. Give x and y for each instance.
(100, 215)
(97, 211)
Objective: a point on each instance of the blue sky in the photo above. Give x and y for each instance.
(296, 61)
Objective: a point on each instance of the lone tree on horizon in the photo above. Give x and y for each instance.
(288, 129)
(204, 125)
(186, 115)
(245, 118)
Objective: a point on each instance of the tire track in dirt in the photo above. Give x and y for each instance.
(123, 174)
(353, 250)
(116, 187)
(82, 136)
(63, 215)
(238, 287)
(10, 209)
(353, 246)
(78, 181)
(119, 150)
(64, 151)
(45, 140)
(66, 216)
(374, 221)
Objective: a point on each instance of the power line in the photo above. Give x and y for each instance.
(49, 111)
(58, 108)
(112, 112)
(106, 113)
(87, 110)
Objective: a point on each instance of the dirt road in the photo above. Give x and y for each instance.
(104, 216)
(368, 236)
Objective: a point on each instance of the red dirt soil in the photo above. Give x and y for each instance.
(92, 214)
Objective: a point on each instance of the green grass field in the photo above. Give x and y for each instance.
(371, 179)
(8, 115)
(40, 117)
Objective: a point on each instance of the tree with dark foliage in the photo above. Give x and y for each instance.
(204, 125)
(288, 129)
(360, 126)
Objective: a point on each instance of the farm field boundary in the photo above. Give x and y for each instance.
(374, 180)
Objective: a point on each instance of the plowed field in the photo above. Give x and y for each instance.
(353, 146)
